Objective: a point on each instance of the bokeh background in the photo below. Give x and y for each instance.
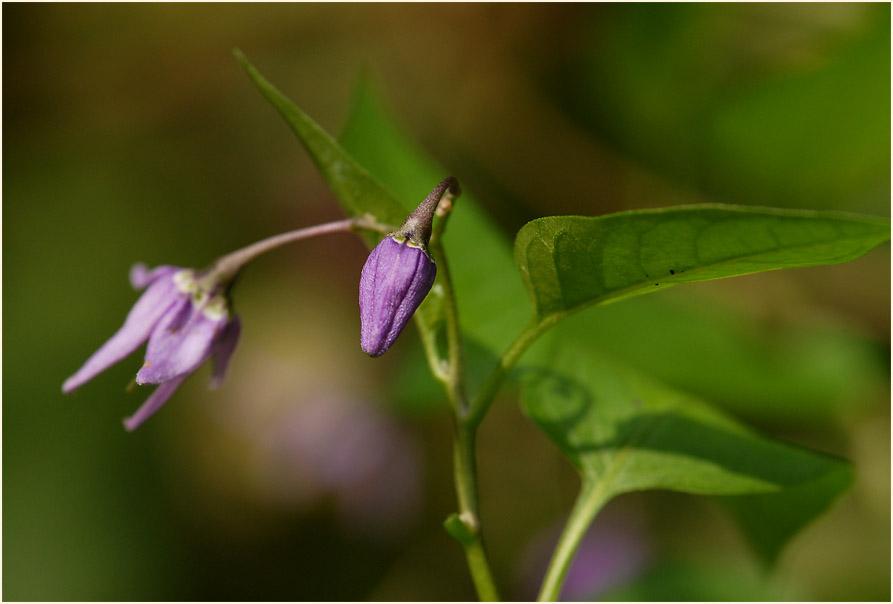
(131, 134)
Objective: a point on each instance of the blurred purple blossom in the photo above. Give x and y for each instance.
(612, 552)
(351, 452)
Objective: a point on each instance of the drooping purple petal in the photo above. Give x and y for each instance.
(141, 276)
(155, 401)
(222, 350)
(395, 279)
(179, 344)
(142, 319)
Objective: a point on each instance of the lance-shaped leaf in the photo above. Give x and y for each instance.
(370, 152)
(357, 191)
(570, 262)
(625, 432)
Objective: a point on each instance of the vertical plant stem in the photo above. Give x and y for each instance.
(435, 363)
(468, 418)
(455, 360)
(464, 452)
(589, 502)
(465, 470)
(592, 496)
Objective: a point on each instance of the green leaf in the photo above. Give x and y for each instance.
(570, 262)
(372, 152)
(356, 190)
(625, 432)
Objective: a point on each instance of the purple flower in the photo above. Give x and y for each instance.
(185, 320)
(396, 278)
(399, 273)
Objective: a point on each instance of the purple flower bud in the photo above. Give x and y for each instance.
(396, 278)
(399, 274)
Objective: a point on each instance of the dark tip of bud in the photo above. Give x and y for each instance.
(417, 226)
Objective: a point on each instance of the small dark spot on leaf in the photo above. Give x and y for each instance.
(672, 272)
(657, 283)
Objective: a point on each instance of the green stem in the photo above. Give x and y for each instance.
(455, 361)
(464, 462)
(466, 490)
(589, 502)
(448, 372)
(435, 363)
(468, 419)
(494, 381)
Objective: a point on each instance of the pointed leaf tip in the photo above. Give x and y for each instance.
(571, 262)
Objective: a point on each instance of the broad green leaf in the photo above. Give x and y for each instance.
(570, 262)
(489, 293)
(625, 432)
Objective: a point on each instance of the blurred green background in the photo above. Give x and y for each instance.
(131, 134)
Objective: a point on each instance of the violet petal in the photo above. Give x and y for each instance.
(140, 322)
(155, 401)
(179, 344)
(222, 350)
(141, 276)
(396, 278)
